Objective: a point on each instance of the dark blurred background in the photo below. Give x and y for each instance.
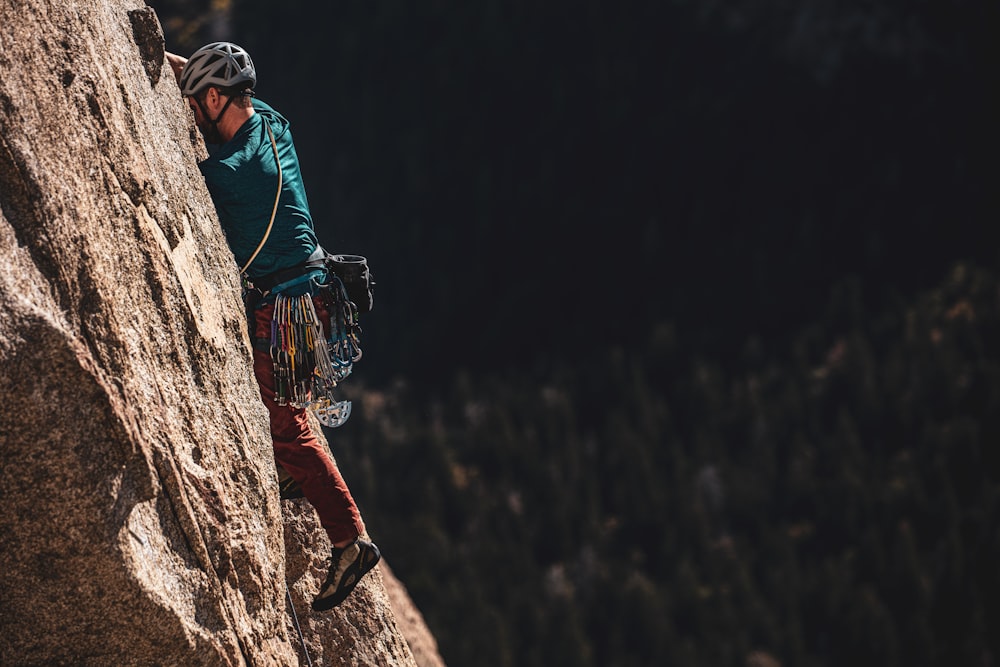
(569, 174)
(684, 346)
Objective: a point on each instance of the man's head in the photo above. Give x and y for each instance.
(214, 77)
(220, 64)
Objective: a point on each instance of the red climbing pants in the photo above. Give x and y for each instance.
(297, 449)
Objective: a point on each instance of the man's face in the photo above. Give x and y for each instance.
(206, 107)
(199, 117)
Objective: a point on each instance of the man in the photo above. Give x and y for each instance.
(253, 177)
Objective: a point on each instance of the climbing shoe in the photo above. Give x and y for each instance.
(288, 488)
(347, 567)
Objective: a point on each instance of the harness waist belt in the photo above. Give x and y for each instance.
(317, 260)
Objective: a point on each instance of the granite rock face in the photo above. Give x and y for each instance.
(140, 519)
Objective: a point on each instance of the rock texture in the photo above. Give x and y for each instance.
(141, 523)
(411, 623)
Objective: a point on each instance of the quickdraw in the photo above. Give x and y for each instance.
(308, 364)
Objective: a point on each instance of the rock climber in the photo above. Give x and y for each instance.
(253, 176)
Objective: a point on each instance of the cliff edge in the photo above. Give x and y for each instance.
(141, 522)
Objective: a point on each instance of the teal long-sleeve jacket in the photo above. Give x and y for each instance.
(242, 178)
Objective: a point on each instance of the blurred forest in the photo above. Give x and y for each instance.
(685, 341)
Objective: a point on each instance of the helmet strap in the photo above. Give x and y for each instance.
(213, 135)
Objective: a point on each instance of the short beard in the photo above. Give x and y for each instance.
(212, 135)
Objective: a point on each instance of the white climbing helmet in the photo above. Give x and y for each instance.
(221, 64)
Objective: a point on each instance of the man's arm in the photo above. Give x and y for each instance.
(176, 63)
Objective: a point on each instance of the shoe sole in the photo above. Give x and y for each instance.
(291, 492)
(370, 556)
